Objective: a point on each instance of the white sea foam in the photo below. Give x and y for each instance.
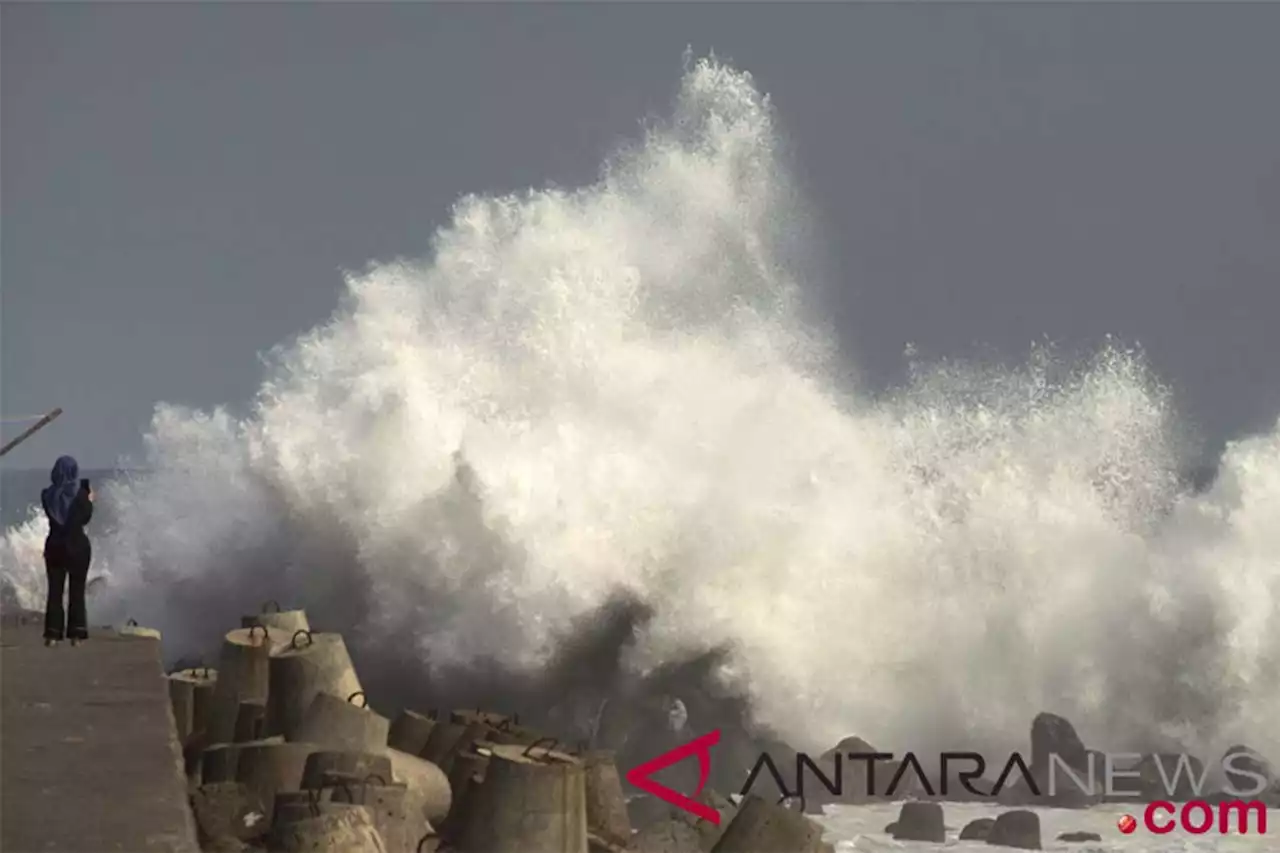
(628, 373)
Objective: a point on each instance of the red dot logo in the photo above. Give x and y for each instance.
(1127, 824)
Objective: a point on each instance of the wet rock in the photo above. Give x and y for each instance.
(761, 826)
(669, 835)
(920, 822)
(1054, 735)
(1246, 771)
(227, 810)
(709, 832)
(1057, 754)
(644, 811)
(853, 782)
(955, 783)
(1019, 829)
(1079, 837)
(977, 830)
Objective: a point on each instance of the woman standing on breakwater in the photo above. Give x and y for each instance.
(68, 503)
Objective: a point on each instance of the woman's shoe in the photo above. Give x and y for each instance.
(75, 641)
(50, 641)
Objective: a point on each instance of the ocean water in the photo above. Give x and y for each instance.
(627, 387)
(861, 828)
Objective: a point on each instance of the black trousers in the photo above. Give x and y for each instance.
(69, 571)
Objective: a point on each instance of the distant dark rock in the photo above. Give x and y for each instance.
(1019, 829)
(1079, 837)
(1054, 735)
(1057, 753)
(920, 822)
(1243, 762)
(853, 773)
(977, 830)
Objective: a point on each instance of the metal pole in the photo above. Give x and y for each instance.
(30, 431)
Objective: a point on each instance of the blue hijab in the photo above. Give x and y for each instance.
(57, 498)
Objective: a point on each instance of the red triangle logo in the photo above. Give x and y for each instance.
(639, 776)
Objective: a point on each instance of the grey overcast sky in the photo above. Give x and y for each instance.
(182, 184)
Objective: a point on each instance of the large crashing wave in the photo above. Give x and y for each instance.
(615, 388)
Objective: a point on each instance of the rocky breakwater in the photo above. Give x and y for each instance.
(284, 753)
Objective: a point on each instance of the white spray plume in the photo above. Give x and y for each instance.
(639, 403)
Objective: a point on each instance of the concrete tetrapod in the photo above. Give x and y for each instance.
(249, 721)
(296, 806)
(331, 762)
(349, 830)
(133, 629)
(487, 718)
(290, 810)
(529, 800)
(341, 724)
(226, 810)
(606, 801)
(282, 622)
(450, 739)
(429, 791)
(266, 769)
(221, 761)
(302, 797)
(468, 769)
(204, 682)
(308, 665)
(386, 804)
(190, 692)
(294, 809)
(511, 733)
(467, 773)
(410, 731)
(668, 835)
(764, 827)
(242, 677)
